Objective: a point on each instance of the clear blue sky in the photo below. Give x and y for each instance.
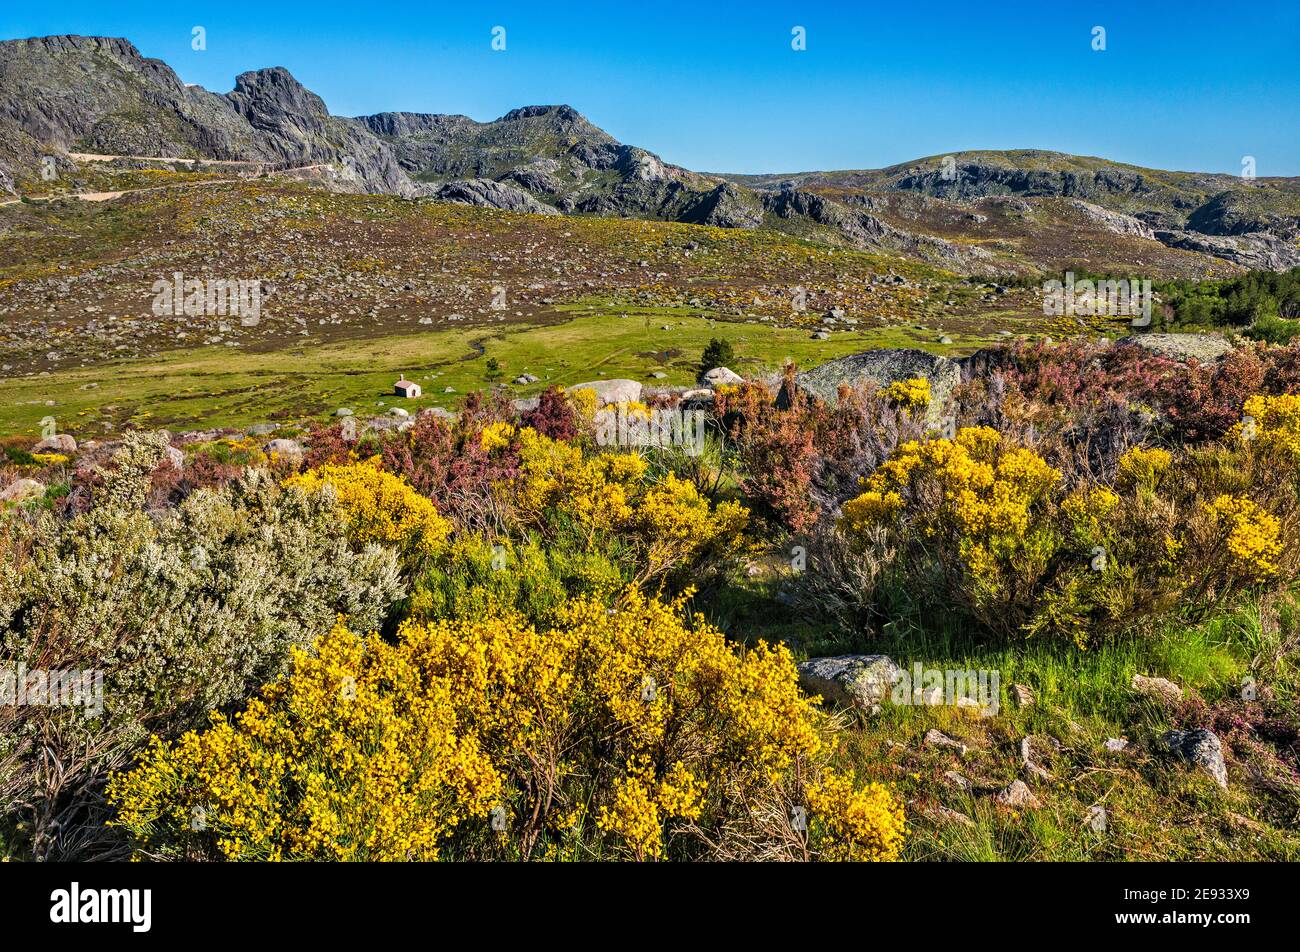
(716, 86)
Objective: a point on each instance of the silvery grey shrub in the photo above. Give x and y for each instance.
(125, 591)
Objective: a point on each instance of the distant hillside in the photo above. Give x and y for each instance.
(971, 212)
(1252, 222)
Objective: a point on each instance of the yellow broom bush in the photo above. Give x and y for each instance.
(616, 734)
(379, 507)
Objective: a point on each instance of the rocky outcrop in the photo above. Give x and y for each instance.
(1202, 749)
(726, 207)
(881, 368)
(1203, 348)
(1114, 221)
(860, 682)
(867, 231)
(1259, 250)
(486, 193)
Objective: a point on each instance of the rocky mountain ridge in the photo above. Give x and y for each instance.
(64, 94)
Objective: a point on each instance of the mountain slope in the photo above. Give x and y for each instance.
(99, 95)
(971, 212)
(1250, 222)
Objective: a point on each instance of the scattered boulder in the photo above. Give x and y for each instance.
(290, 449)
(1202, 749)
(175, 456)
(1096, 818)
(1023, 694)
(937, 738)
(1017, 794)
(1116, 745)
(1037, 750)
(957, 779)
(611, 391)
(342, 412)
(881, 368)
(857, 681)
(59, 443)
(941, 814)
(1160, 689)
(1203, 348)
(21, 490)
(722, 377)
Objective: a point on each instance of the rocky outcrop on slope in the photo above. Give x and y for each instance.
(486, 193)
(1259, 250)
(99, 95)
(1114, 221)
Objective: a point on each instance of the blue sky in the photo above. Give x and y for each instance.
(717, 87)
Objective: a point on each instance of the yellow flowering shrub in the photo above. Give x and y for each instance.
(353, 756)
(379, 507)
(911, 395)
(1087, 511)
(978, 526)
(855, 823)
(871, 508)
(985, 496)
(1272, 424)
(495, 436)
(51, 459)
(1143, 467)
(599, 494)
(614, 733)
(583, 400)
(1253, 536)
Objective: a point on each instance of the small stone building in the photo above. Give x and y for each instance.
(407, 388)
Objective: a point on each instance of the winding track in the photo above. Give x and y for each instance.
(109, 196)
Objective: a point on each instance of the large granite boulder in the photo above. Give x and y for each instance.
(21, 490)
(861, 682)
(1203, 348)
(881, 368)
(1202, 749)
(611, 391)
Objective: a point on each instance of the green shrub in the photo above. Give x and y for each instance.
(182, 612)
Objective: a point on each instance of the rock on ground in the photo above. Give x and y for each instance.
(937, 738)
(1203, 348)
(1202, 749)
(59, 443)
(1161, 689)
(21, 490)
(722, 376)
(883, 367)
(611, 391)
(857, 681)
(286, 448)
(1017, 794)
